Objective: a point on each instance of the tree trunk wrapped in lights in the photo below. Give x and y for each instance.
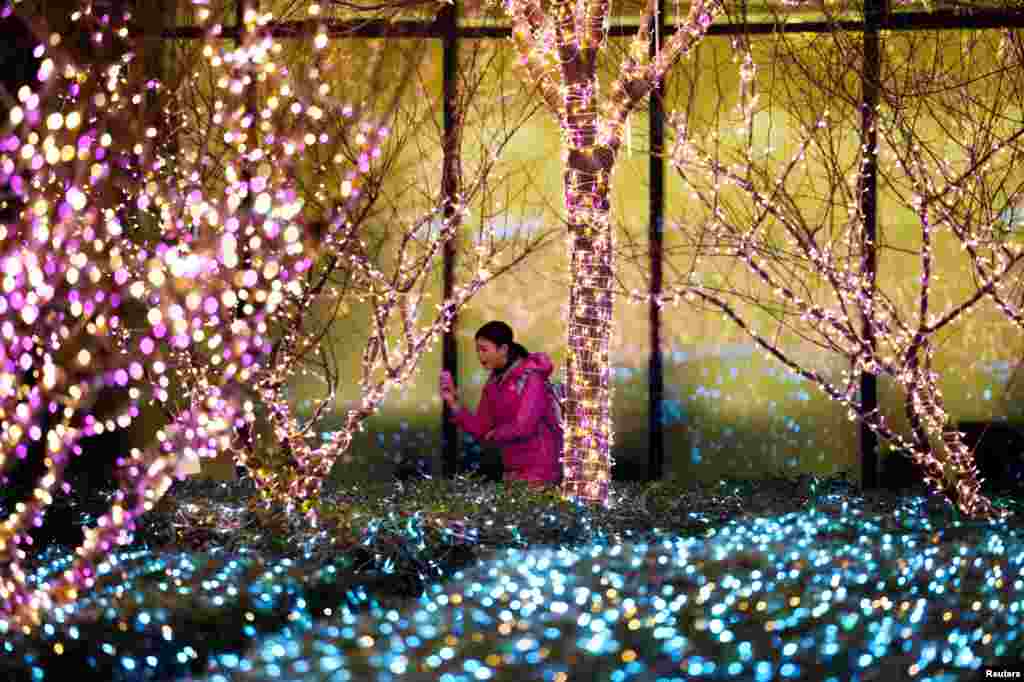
(380, 243)
(83, 160)
(559, 50)
(950, 149)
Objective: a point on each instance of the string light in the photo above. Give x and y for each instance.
(284, 446)
(88, 161)
(558, 52)
(297, 483)
(901, 343)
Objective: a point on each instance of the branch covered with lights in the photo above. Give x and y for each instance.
(804, 250)
(377, 252)
(85, 158)
(558, 47)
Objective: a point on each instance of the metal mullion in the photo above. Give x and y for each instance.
(904, 21)
(875, 12)
(448, 19)
(656, 217)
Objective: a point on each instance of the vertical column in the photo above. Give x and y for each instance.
(656, 217)
(873, 14)
(448, 20)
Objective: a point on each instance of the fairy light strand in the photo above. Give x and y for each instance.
(904, 348)
(558, 50)
(83, 156)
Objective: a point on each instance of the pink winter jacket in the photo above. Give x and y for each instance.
(523, 425)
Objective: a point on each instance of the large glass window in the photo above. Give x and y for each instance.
(728, 409)
(746, 139)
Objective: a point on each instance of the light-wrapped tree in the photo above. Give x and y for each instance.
(81, 158)
(382, 224)
(780, 193)
(559, 46)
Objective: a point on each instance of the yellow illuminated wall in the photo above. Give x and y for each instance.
(978, 357)
(728, 411)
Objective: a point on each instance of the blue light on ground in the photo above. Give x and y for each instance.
(840, 591)
(803, 596)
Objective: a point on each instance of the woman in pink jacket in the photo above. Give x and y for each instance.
(516, 411)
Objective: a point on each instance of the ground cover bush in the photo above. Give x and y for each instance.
(466, 579)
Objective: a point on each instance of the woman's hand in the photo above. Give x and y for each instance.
(448, 393)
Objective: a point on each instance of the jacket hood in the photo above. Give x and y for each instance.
(534, 362)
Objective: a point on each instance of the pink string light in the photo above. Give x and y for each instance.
(558, 49)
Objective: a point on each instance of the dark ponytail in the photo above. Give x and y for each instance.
(517, 352)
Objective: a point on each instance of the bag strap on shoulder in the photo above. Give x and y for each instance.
(554, 395)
